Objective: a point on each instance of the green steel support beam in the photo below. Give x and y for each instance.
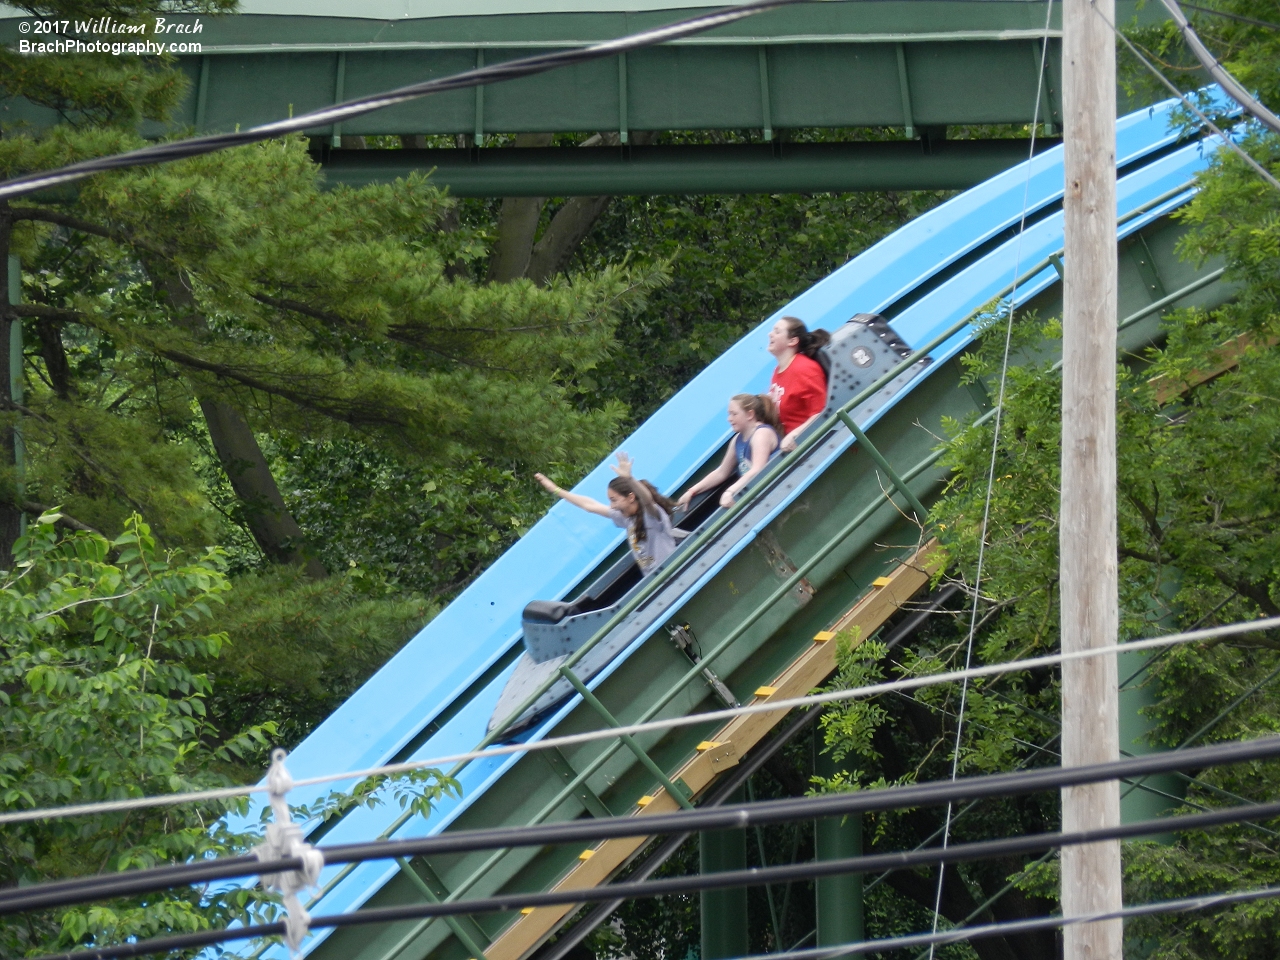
(904, 90)
(679, 795)
(912, 500)
(838, 900)
(623, 124)
(724, 912)
(766, 110)
(479, 124)
(740, 168)
(467, 937)
(339, 93)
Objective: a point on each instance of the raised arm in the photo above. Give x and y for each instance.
(577, 499)
(713, 479)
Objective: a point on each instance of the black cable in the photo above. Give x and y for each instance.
(1233, 16)
(724, 818)
(1219, 73)
(510, 70)
(1009, 927)
(753, 876)
(665, 850)
(807, 808)
(767, 812)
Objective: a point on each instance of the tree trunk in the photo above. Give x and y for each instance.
(572, 222)
(274, 529)
(517, 225)
(568, 228)
(10, 511)
(54, 355)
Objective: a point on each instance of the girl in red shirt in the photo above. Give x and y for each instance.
(799, 384)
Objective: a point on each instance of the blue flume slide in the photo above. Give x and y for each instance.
(439, 668)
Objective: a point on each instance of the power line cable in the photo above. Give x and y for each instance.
(1010, 927)
(1155, 71)
(1233, 16)
(754, 876)
(510, 70)
(1239, 94)
(654, 726)
(738, 816)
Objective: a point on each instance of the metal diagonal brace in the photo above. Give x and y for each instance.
(593, 701)
(921, 513)
(459, 931)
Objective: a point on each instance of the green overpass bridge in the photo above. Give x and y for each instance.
(885, 79)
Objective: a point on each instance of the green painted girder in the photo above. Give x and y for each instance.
(740, 168)
(897, 63)
(906, 437)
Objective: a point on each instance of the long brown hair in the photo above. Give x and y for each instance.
(647, 496)
(811, 341)
(762, 407)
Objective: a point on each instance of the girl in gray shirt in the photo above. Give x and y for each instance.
(634, 507)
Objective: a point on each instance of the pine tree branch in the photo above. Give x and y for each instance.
(48, 313)
(64, 519)
(84, 226)
(307, 402)
(75, 445)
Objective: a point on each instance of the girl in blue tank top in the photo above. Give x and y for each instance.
(754, 420)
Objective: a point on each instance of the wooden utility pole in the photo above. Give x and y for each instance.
(1091, 879)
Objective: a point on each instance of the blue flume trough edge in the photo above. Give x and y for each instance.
(1039, 240)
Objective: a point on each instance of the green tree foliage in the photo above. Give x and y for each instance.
(99, 704)
(226, 343)
(99, 701)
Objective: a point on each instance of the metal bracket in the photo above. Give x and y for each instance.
(784, 566)
(1143, 260)
(684, 639)
(558, 762)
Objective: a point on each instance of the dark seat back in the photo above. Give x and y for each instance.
(549, 611)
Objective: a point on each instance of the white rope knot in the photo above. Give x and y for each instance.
(284, 841)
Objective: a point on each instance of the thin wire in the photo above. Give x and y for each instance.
(1007, 928)
(1259, 168)
(1215, 69)
(991, 470)
(654, 726)
(509, 70)
(506, 902)
(740, 816)
(1233, 16)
